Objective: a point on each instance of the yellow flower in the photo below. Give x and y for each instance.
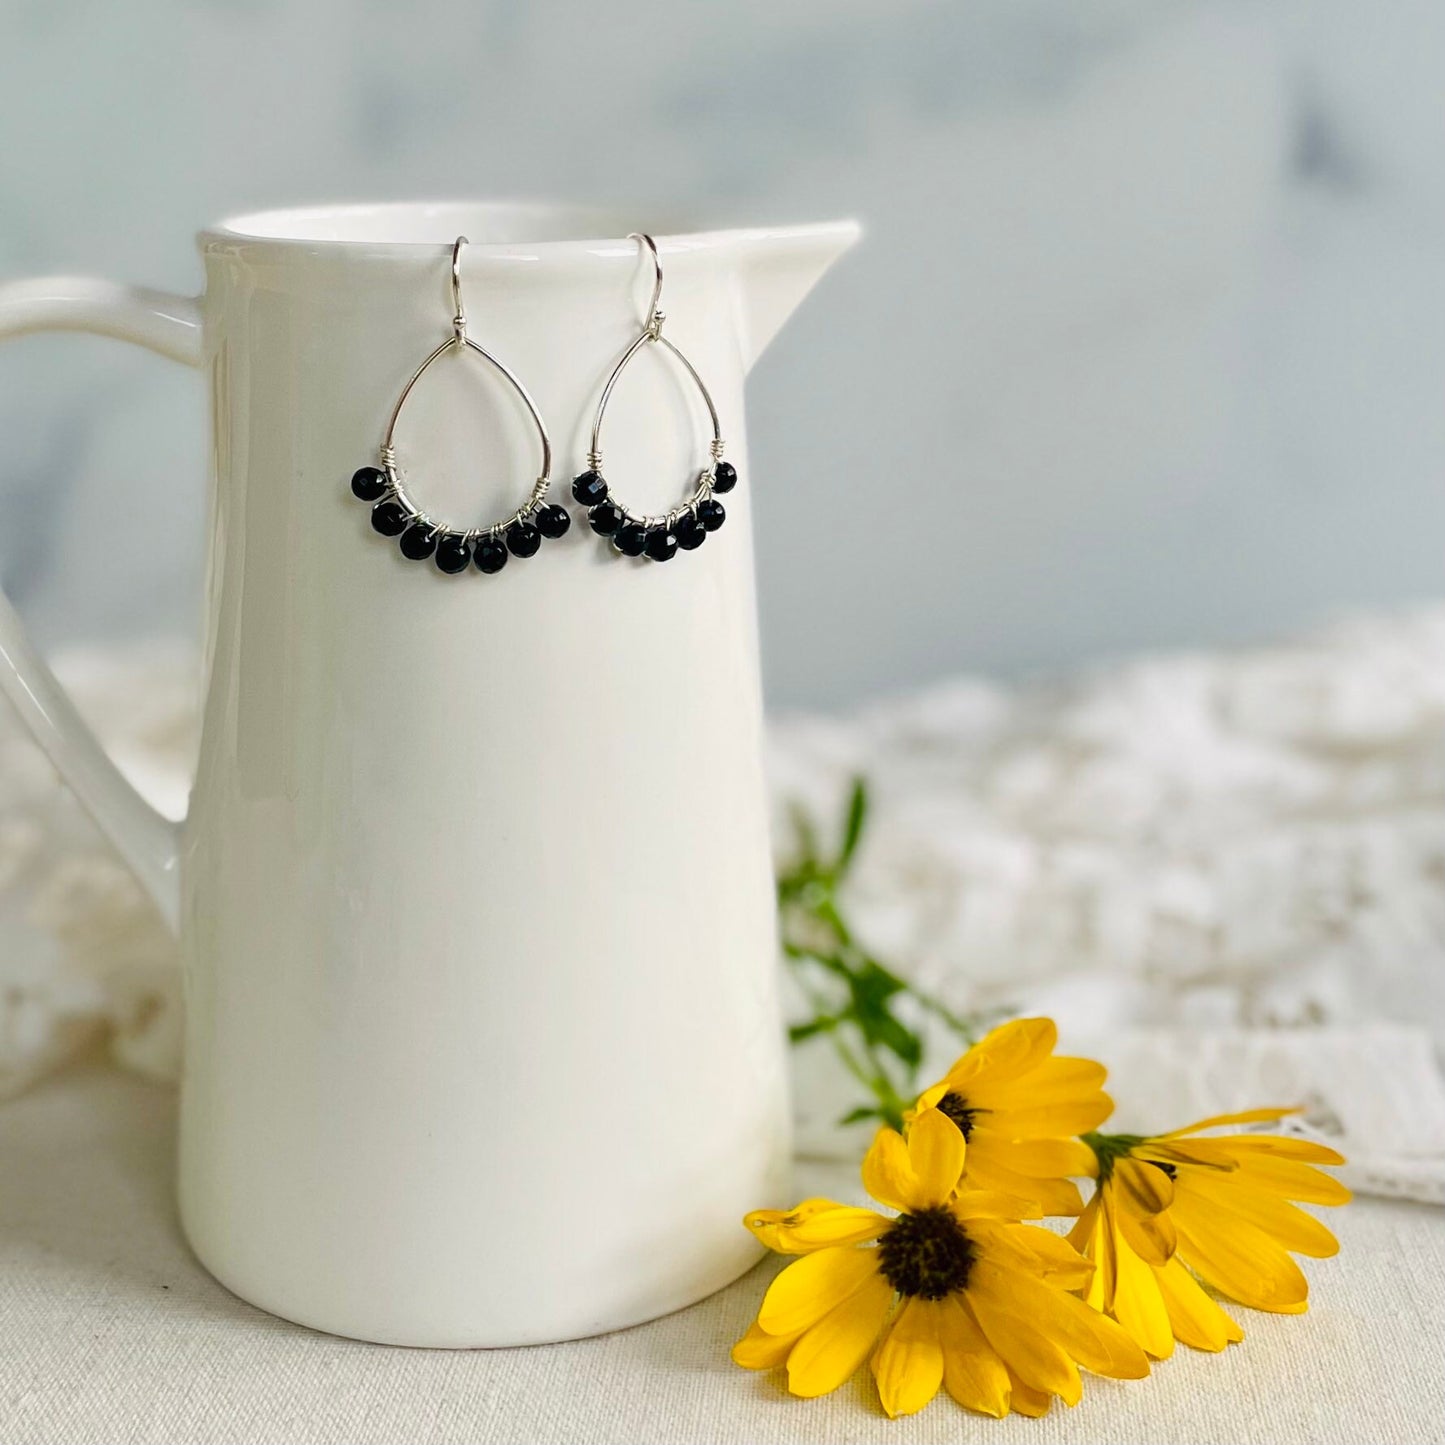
(951, 1292)
(1018, 1107)
(1220, 1207)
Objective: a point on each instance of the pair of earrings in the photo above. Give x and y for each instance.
(420, 535)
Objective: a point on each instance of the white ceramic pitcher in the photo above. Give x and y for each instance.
(482, 1045)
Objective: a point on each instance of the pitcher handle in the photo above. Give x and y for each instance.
(171, 325)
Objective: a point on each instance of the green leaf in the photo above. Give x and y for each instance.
(853, 827)
(871, 987)
(883, 979)
(852, 995)
(892, 1034)
(823, 1024)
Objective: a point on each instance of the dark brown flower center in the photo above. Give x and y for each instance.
(926, 1253)
(955, 1106)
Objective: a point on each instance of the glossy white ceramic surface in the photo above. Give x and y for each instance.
(475, 892)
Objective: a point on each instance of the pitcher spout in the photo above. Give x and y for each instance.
(777, 268)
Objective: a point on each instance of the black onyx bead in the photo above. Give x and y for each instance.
(369, 484)
(453, 552)
(489, 555)
(712, 514)
(724, 477)
(391, 519)
(418, 541)
(553, 521)
(523, 539)
(589, 489)
(630, 540)
(691, 533)
(604, 519)
(661, 545)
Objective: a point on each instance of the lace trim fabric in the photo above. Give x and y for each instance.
(1373, 1092)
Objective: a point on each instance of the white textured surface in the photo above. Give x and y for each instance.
(110, 1332)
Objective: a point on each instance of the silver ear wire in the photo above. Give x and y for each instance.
(459, 311)
(657, 534)
(654, 316)
(652, 331)
(396, 512)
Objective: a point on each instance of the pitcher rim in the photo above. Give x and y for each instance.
(304, 229)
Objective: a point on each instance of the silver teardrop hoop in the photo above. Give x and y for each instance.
(656, 536)
(420, 534)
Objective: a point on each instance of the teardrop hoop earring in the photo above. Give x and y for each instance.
(395, 513)
(657, 536)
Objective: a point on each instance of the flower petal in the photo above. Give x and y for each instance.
(1005, 1052)
(831, 1351)
(815, 1224)
(1043, 1158)
(1139, 1198)
(1204, 1153)
(1081, 1235)
(1282, 1146)
(1093, 1236)
(1034, 1250)
(1141, 1187)
(1193, 1315)
(758, 1350)
(1138, 1305)
(1026, 1400)
(1022, 1345)
(809, 1287)
(1302, 1182)
(936, 1152)
(1284, 1222)
(1091, 1339)
(972, 1373)
(1075, 1117)
(1151, 1236)
(1059, 1198)
(1237, 1258)
(888, 1172)
(909, 1364)
(770, 1226)
(1245, 1116)
(990, 1204)
(1051, 1081)
(987, 1168)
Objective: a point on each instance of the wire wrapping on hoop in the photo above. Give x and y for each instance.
(651, 333)
(460, 340)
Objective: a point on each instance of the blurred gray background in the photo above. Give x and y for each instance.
(1145, 346)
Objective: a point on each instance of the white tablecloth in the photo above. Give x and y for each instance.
(111, 1334)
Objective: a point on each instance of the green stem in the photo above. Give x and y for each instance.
(865, 1031)
(1109, 1147)
(820, 1010)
